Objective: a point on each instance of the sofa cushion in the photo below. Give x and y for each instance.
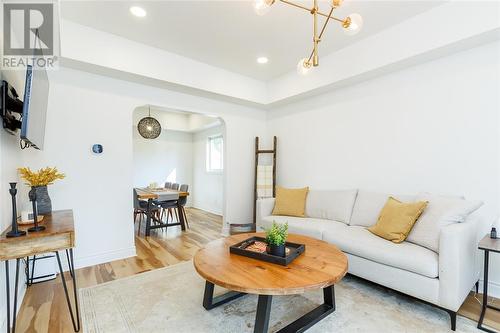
(360, 242)
(303, 226)
(290, 201)
(368, 206)
(440, 212)
(396, 219)
(331, 205)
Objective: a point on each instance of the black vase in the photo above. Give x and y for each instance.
(277, 250)
(43, 203)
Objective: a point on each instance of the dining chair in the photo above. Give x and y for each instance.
(183, 201)
(167, 185)
(168, 207)
(141, 209)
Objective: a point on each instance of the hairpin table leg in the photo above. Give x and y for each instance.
(16, 287)
(32, 271)
(7, 279)
(70, 265)
(76, 325)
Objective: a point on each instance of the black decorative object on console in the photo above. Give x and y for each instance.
(43, 202)
(14, 232)
(32, 196)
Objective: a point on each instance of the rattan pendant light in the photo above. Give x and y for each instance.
(149, 127)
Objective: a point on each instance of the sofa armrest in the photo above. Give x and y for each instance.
(265, 208)
(458, 265)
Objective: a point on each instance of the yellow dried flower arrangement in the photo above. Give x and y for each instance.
(43, 177)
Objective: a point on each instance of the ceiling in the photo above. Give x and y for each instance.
(229, 35)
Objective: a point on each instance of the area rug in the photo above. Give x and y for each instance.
(169, 300)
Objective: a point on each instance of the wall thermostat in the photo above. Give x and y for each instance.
(97, 149)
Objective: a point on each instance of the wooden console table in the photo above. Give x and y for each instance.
(59, 234)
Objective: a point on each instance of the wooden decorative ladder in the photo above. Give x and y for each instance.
(251, 227)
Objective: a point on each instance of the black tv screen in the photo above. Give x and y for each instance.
(36, 97)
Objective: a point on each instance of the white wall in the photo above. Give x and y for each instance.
(198, 122)
(432, 127)
(167, 158)
(207, 186)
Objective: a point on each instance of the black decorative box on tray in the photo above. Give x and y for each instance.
(293, 250)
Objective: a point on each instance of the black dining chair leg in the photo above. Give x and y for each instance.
(176, 215)
(136, 213)
(140, 223)
(185, 217)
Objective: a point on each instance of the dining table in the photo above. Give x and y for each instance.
(158, 195)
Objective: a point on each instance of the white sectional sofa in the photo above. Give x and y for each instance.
(441, 273)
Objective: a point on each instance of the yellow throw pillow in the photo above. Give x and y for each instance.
(290, 202)
(397, 218)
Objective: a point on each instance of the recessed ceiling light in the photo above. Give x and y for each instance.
(138, 11)
(262, 60)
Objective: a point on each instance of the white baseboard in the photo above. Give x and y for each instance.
(207, 209)
(226, 230)
(100, 258)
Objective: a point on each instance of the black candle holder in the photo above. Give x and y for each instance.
(32, 196)
(14, 232)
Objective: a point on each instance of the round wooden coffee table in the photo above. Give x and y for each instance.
(320, 266)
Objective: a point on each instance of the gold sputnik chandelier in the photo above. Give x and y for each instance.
(352, 24)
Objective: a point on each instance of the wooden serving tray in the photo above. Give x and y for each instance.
(295, 250)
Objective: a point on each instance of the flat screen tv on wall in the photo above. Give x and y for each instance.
(36, 97)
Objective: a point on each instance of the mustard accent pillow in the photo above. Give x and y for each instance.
(290, 202)
(397, 219)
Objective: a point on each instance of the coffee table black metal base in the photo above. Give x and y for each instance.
(210, 302)
(264, 309)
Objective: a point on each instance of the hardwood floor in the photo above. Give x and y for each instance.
(472, 308)
(44, 307)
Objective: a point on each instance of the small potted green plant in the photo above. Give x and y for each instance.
(276, 238)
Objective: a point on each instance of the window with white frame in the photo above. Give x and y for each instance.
(215, 148)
